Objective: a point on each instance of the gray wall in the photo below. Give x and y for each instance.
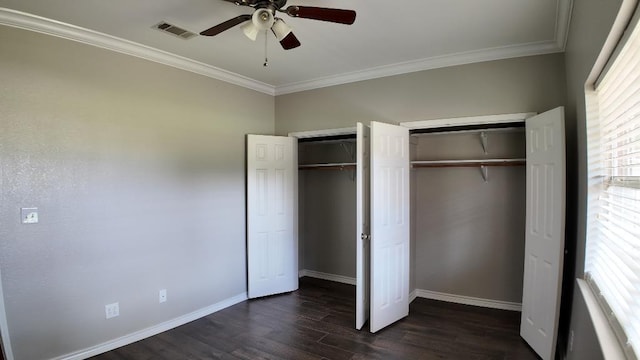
(529, 84)
(470, 233)
(590, 25)
(327, 210)
(138, 173)
(533, 84)
(107, 151)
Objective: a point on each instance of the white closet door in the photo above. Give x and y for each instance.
(363, 245)
(272, 232)
(544, 237)
(389, 224)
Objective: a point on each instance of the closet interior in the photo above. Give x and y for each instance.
(327, 207)
(467, 212)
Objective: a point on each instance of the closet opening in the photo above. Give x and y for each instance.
(468, 185)
(471, 127)
(327, 207)
(468, 213)
(450, 214)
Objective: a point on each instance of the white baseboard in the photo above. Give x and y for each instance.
(427, 294)
(412, 296)
(326, 276)
(468, 300)
(154, 330)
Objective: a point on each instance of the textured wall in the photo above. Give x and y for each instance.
(533, 84)
(470, 233)
(138, 173)
(328, 210)
(590, 25)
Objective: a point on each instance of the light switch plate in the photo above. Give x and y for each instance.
(112, 310)
(29, 215)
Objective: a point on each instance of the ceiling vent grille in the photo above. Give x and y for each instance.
(174, 30)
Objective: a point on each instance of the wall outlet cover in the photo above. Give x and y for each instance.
(29, 215)
(112, 310)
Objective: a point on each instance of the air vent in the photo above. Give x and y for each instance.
(174, 30)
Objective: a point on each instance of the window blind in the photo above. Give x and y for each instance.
(612, 261)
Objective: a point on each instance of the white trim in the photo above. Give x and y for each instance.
(4, 328)
(468, 300)
(412, 296)
(43, 25)
(609, 344)
(67, 31)
(563, 22)
(323, 133)
(464, 58)
(558, 44)
(620, 24)
(433, 295)
(153, 330)
(326, 276)
(464, 121)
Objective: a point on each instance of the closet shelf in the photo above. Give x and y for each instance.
(468, 163)
(328, 166)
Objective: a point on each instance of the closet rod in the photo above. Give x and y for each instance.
(468, 163)
(330, 166)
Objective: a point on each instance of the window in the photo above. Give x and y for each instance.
(612, 262)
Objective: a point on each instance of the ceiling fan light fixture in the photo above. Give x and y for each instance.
(264, 18)
(261, 20)
(280, 29)
(250, 30)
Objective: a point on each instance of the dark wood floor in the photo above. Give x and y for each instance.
(316, 322)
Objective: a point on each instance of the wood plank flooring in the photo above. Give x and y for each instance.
(316, 322)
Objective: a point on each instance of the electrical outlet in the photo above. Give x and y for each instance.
(162, 296)
(29, 215)
(112, 310)
(571, 341)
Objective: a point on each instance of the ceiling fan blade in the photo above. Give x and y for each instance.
(324, 14)
(243, 2)
(226, 25)
(290, 42)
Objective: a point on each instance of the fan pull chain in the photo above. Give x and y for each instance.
(266, 60)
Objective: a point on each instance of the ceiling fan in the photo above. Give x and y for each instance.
(264, 18)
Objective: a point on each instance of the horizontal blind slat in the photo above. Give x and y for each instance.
(612, 255)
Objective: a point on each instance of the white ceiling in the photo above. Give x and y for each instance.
(387, 38)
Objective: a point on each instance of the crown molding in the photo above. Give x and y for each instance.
(563, 18)
(463, 58)
(563, 22)
(43, 25)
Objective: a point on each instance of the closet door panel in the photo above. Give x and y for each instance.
(363, 231)
(272, 239)
(390, 237)
(544, 239)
